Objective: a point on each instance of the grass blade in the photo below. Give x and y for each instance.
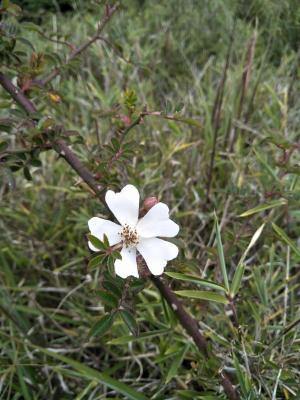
(237, 279)
(143, 336)
(286, 239)
(93, 374)
(203, 295)
(221, 254)
(102, 326)
(263, 207)
(195, 279)
(239, 272)
(176, 363)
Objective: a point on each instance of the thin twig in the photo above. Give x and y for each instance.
(17, 95)
(71, 46)
(76, 52)
(115, 49)
(170, 117)
(158, 114)
(65, 152)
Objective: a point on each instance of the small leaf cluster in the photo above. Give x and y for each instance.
(116, 297)
(106, 255)
(130, 100)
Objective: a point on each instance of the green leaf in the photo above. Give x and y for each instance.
(52, 58)
(203, 295)
(105, 241)
(95, 261)
(27, 174)
(115, 143)
(186, 394)
(241, 376)
(3, 146)
(93, 374)
(266, 206)
(112, 287)
(116, 255)
(35, 162)
(110, 262)
(195, 279)
(221, 253)
(96, 242)
(237, 279)
(266, 166)
(130, 321)
(5, 3)
(253, 240)
(3, 126)
(143, 336)
(108, 298)
(239, 272)
(102, 326)
(176, 363)
(286, 239)
(191, 122)
(30, 26)
(14, 9)
(23, 385)
(26, 42)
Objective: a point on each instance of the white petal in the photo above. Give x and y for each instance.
(124, 205)
(157, 223)
(127, 266)
(99, 227)
(156, 252)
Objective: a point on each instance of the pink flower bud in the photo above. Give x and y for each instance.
(149, 202)
(125, 119)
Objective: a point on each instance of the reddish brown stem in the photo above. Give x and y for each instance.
(17, 95)
(189, 323)
(75, 53)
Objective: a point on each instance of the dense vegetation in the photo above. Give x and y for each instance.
(224, 76)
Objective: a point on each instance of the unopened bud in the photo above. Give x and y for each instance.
(125, 119)
(149, 203)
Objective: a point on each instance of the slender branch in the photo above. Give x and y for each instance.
(57, 41)
(170, 117)
(61, 147)
(129, 127)
(17, 95)
(189, 323)
(110, 11)
(158, 114)
(115, 49)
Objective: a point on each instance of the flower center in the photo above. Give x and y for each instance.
(129, 236)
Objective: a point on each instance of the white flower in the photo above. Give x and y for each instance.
(136, 234)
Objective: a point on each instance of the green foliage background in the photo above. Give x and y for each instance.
(171, 56)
